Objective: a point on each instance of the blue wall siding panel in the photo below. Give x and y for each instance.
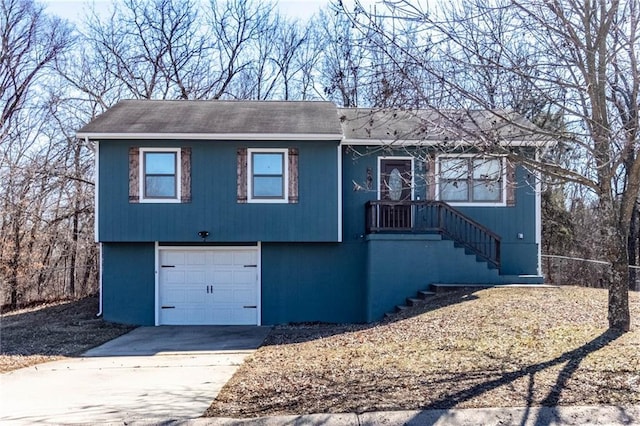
(313, 282)
(128, 281)
(214, 205)
(398, 266)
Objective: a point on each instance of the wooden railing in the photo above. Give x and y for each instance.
(433, 216)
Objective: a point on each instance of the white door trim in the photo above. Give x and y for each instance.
(257, 247)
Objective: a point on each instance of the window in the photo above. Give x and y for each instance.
(471, 180)
(268, 175)
(160, 175)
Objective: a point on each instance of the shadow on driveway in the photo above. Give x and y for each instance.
(147, 341)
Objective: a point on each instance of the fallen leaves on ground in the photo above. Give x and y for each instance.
(490, 348)
(53, 331)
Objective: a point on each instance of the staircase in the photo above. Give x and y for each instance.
(384, 216)
(424, 296)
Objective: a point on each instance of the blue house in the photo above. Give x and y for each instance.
(238, 212)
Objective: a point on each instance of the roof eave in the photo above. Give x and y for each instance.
(212, 136)
(425, 142)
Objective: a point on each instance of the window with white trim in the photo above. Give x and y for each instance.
(160, 175)
(268, 175)
(471, 179)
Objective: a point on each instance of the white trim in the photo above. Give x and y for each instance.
(257, 248)
(216, 136)
(99, 280)
(538, 203)
(339, 193)
(178, 197)
(422, 142)
(156, 266)
(259, 283)
(392, 157)
(96, 189)
(502, 203)
(285, 175)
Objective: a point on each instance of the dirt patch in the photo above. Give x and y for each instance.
(489, 348)
(52, 331)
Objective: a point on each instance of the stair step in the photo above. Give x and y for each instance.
(412, 301)
(440, 288)
(400, 308)
(425, 294)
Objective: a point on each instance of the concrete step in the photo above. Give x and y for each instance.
(412, 301)
(425, 294)
(441, 288)
(400, 308)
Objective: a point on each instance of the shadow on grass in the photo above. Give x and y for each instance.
(61, 329)
(306, 332)
(572, 359)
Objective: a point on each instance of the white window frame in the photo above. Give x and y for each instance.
(177, 198)
(503, 198)
(285, 175)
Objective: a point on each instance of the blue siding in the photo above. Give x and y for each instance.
(128, 281)
(214, 205)
(313, 282)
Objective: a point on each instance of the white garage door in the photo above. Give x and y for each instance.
(213, 286)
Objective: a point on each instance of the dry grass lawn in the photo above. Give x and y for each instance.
(488, 348)
(49, 332)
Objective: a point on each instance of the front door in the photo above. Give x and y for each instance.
(395, 188)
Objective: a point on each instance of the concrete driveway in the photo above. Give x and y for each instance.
(151, 374)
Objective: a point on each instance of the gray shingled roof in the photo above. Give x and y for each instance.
(313, 120)
(388, 125)
(205, 118)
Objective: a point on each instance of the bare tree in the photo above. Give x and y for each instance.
(30, 42)
(584, 71)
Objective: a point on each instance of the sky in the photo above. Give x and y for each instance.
(74, 10)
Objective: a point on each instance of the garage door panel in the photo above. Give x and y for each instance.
(244, 277)
(223, 258)
(222, 277)
(209, 286)
(197, 316)
(244, 258)
(196, 258)
(196, 277)
(172, 258)
(174, 276)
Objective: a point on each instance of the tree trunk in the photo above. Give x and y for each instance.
(619, 317)
(632, 246)
(615, 239)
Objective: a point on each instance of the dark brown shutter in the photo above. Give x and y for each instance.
(185, 169)
(241, 170)
(511, 183)
(430, 175)
(293, 175)
(134, 174)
